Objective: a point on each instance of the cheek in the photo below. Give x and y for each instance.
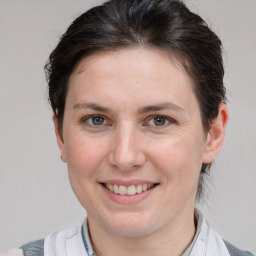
(179, 157)
(83, 155)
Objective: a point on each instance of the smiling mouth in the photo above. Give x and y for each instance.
(128, 190)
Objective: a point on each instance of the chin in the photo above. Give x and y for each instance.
(131, 225)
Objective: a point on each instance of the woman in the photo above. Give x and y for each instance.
(137, 92)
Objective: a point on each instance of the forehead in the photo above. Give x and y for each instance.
(132, 71)
(129, 61)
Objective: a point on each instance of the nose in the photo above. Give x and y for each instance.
(127, 150)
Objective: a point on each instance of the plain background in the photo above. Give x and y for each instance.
(35, 195)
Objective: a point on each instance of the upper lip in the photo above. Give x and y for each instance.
(128, 182)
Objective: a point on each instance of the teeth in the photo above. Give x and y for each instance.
(116, 189)
(144, 187)
(139, 189)
(131, 190)
(110, 187)
(122, 190)
(128, 190)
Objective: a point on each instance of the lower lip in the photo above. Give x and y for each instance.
(124, 199)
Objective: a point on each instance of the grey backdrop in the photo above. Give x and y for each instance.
(35, 196)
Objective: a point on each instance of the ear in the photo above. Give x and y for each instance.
(215, 136)
(59, 137)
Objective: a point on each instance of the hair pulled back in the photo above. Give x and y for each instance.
(163, 24)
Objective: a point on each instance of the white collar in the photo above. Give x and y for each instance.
(70, 243)
(209, 243)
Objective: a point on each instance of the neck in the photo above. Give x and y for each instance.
(173, 239)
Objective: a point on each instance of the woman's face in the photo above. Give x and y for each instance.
(132, 123)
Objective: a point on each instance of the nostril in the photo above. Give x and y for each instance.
(126, 161)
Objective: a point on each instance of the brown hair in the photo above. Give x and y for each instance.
(163, 24)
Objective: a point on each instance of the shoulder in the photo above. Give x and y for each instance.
(234, 251)
(35, 248)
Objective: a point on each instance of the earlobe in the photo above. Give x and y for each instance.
(59, 138)
(215, 136)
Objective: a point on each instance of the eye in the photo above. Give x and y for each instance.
(95, 120)
(159, 121)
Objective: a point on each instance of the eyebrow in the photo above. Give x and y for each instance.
(157, 107)
(143, 110)
(93, 106)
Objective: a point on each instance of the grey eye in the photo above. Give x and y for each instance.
(159, 121)
(95, 120)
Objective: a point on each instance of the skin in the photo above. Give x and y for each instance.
(129, 145)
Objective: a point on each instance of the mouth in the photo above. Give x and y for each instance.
(129, 190)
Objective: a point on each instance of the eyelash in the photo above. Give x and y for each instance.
(167, 121)
(86, 120)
